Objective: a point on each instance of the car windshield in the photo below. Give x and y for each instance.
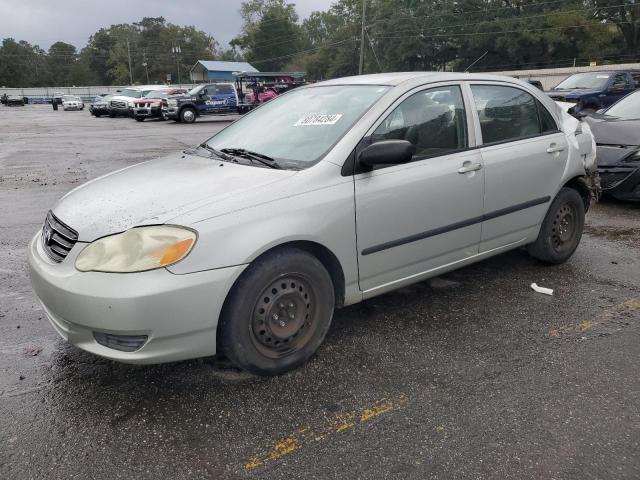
(301, 126)
(130, 92)
(626, 109)
(584, 80)
(156, 94)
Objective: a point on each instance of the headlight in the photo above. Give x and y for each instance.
(172, 103)
(633, 158)
(137, 250)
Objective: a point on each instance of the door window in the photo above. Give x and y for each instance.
(506, 113)
(433, 120)
(621, 80)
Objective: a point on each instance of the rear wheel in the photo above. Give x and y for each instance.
(277, 313)
(561, 229)
(187, 115)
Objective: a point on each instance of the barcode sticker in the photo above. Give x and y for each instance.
(318, 119)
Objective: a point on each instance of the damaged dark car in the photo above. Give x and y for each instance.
(617, 134)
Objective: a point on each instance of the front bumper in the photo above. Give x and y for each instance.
(154, 111)
(621, 181)
(178, 313)
(170, 112)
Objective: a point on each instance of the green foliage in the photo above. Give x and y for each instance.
(270, 33)
(400, 35)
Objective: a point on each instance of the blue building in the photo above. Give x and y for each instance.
(207, 71)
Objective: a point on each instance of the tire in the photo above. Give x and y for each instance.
(97, 115)
(139, 119)
(187, 115)
(561, 229)
(112, 115)
(277, 313)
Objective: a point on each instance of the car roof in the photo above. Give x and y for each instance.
(396, 78)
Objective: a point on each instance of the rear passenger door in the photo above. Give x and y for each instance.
(524, 155)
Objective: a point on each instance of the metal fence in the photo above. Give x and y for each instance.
(550, 77)
(44, 94)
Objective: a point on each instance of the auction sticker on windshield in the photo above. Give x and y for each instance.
(318, 119)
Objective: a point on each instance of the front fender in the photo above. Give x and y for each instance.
(325, 216)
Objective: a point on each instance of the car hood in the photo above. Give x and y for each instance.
(616, 139)
(154, 192)
(571, 93)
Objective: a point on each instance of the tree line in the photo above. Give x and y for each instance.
(399, 35)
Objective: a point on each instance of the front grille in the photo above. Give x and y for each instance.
(57, 238)
(118, 104)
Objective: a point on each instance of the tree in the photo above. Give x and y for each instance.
(270, 33)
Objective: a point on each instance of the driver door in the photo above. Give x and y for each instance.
(413, 218)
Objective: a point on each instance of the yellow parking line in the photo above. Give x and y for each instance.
(326, 428)
(628, 306)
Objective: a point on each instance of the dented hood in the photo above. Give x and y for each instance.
(154, 192)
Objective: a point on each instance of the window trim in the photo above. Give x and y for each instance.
(480, 141)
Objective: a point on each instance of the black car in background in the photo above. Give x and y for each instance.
(15, 101)
(617, 134)
(100, 105)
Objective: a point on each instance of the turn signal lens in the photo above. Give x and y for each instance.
(137, 250)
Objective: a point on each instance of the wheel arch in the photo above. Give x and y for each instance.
(328, 259)
(580, 185)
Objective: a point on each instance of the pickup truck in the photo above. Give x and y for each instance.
(207, 99)
(592, 91)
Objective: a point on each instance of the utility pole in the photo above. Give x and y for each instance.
(176, 50)
(129, 56)
(145, 64)
(364, 12)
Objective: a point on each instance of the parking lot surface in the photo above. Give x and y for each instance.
(469, 375)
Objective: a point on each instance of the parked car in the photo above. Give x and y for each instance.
(261, 94)
(122, 103)
(15, 101)
(100, 106)
(617, 133)
(593, 91)
(535, 83)
(72, 102)
(207, 99)
(150, 106)
(331, 194)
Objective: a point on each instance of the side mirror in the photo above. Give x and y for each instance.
(387, 152)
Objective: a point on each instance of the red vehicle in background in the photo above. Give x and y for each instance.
(255, 88)
(150, 106)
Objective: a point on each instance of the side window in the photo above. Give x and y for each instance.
(621, 80)
(433, 120)
(547, 123)
(506, 113)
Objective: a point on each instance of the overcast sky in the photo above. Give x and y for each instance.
(43, 22)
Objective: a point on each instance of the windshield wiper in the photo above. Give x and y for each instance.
(218, 153)
(258, 157)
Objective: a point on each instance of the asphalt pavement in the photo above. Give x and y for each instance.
(469, 375)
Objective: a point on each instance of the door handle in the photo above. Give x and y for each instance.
(469, 167)
(553, 148)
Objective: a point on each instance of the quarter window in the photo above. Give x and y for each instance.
(433, 120)
(506, 113)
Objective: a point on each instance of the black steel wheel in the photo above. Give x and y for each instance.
(277, 313)
(561, 228)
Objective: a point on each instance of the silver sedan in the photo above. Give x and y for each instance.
(328, 195)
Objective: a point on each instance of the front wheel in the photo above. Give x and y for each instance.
(561, 228)
(139, 119)
(187, 115)
(277, 313)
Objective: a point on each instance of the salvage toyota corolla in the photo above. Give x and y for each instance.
(326, 196)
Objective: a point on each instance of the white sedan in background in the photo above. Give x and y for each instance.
(72, 102)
